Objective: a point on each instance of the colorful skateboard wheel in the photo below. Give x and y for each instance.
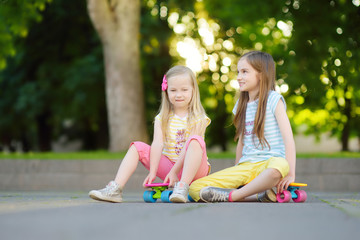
(190, 198)
(165, 196)
(148, 196)
(301, 196)
(283, 197)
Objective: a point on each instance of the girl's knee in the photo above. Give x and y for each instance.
(133, 149)
(196, 139)
(140, 146)
(280, 164)
(194, 143)
(275, 173)
(141, 149)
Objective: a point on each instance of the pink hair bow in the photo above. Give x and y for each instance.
(164, 85)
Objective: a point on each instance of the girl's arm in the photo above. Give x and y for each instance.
(288, 138)
(172, 176)
(239, 148)
(155, 152)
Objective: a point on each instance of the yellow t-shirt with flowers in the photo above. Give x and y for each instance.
(177, 135)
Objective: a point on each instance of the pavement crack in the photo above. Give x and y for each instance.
(349, 206)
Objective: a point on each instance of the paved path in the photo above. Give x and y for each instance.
(72, 215)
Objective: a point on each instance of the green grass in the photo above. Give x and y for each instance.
(64, 156)
(329, 155)
(221, 155)
(227, 155)
(107, 155)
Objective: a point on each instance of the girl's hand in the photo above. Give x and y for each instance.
(171, 178)
(149, 179)
(284, 183)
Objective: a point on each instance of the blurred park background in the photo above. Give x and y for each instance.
(86, 75)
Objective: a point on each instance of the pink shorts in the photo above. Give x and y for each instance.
(165, 164)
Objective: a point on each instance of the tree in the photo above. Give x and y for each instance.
(328, 64)
(63, 81)
(313, 42)
(117, 23)
(54, 86)
(317, 64)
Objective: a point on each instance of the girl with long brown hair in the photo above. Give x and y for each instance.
(265, 153)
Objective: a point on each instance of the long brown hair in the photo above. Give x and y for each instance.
(264, 64)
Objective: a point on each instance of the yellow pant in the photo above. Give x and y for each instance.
(238, 175)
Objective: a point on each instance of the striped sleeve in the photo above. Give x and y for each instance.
(202, 118)
(273, 100)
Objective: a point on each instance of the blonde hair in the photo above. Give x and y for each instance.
(264, 64)
(195, 108)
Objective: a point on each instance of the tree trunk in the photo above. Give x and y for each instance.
(345, 136)
(118, 25)
(44, 131)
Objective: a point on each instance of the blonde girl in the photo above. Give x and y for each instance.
(177, 154)
(265, 153)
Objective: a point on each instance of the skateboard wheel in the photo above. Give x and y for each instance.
(165, 196)
(283, 197)
(190, 198)
(148, 196)
(301, 196)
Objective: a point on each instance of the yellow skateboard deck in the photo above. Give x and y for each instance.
(294, 184)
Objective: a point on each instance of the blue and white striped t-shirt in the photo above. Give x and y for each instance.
(254, 152)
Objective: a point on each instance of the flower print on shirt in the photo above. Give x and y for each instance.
(180, 140)
(250, 123)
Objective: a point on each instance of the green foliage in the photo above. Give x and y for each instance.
(155, 58)
(327, 57)
(314, 44)
(54, 86)
(15, 18)
(52, 80)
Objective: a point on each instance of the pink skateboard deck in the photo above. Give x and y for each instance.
(157, 185)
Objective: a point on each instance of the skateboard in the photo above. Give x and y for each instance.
(293, 193)
(159, 191)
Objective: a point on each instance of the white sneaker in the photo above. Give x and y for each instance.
(180, 193)
(215, 194)
(111, 193)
